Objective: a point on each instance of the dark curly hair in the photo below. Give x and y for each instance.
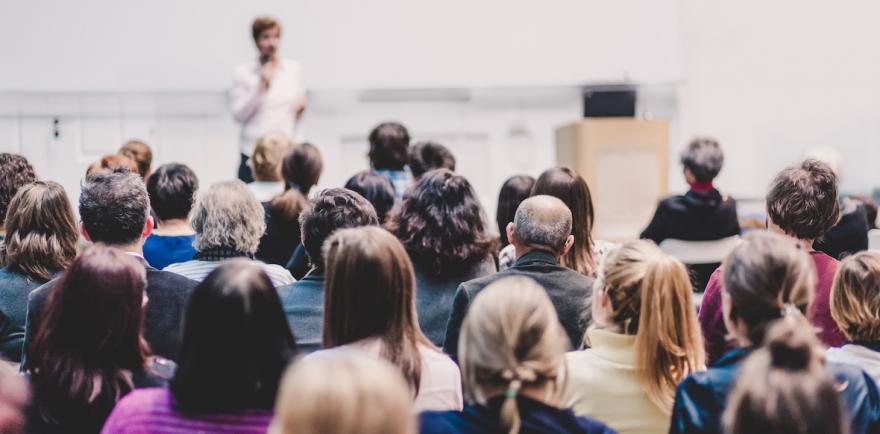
(328, 211)
(803, 200)
(15, 172)
(441, 224)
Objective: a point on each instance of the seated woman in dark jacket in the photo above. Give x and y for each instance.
(766, 278)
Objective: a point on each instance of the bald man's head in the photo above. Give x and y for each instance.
(542, 222)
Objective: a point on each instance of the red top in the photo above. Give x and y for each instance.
(702, 187)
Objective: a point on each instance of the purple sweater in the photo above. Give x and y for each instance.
(151, 411)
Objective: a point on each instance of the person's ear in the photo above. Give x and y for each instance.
(148, 227)
(84, 232)
(510, 237)
(568, 243)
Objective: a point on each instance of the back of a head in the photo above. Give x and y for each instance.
(112, 163)
(783, 388)
(565, 184)
(855, 297)
(542, 222)
(172, 190)
(427, 156)
(329, 211)
(515, 190)
(704, 158)
(302, 167)
(41, 234)
(347, 393)
(139, 152)
(510, 339)
(442, 224)
(15, 171)
(803, 200)
(114, 207)
(389, 146)
(235, 303)
(376, 188)
(268, 155)
(766, 275)
(228, 216)
(650, 297)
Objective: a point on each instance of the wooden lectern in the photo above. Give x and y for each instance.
(624, 161)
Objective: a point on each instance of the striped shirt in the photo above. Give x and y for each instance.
(147, 411)
(197, 270)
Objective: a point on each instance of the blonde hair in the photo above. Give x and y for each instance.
(650, 295)
(855, 296)
(268, 155)
(346, 393)
(510, 339)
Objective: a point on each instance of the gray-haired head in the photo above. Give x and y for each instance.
(228, 216)
(114, 207)
(703, 158)
(542, 222)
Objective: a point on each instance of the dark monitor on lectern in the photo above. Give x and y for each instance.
(609, 101)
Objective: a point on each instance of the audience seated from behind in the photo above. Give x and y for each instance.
(850, 234)
(515, 190)
(172, 189)
(303, 300)
(115, 211)
(376, 188)
(229, 222)
(265, 164)
(301, 168)
(645, 341)
(427, 156)
(511, 354)
(346, 393)
(784, 387)
(89, 350)
(855, 306)
(15, 172)
(540, 235)
(389, 153)
(215, 389)
(139, 152)
(370, 308)
(703, 213)
(767, 277)
(443, 228)
(41, 241)
(802, 204)
(566, 185)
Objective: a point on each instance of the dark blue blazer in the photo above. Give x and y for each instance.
(303, 303)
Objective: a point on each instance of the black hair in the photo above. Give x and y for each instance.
(515, 190)
(389, 146)
(427, 156)
(376, 188)
(114, 206)
(172, 189)
(329, 210)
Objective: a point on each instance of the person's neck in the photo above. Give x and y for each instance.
(173, 227)
(702, 186)
(534, 392)
(521, 251)
(268, 180)
(136, 248)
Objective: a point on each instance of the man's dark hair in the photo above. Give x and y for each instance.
(704, 158)
(389, 146)
(15, 172)
(427, 156)
(803, 200)
(172, 189)
(376, 188)
(328, 211)
(114, 207)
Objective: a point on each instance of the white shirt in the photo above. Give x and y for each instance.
(198, 270)
(266, 190)
(274, 110)
(858, 355)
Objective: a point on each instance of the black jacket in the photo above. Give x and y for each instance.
(569, 291)
(849, 235)
(696, 216)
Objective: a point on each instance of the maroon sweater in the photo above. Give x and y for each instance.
(711, 313)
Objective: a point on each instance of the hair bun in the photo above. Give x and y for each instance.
(792, 344)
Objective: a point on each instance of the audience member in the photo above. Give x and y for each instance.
(265, 163)
(172, 190)
(15, 171)
(301, 169)
(870, 209)
(389, 153)
(303, 300)
(139, 152)
(802, 204)
(112, 163)
(541, 235)
(376, 188)
(229, 222)
(646, 340)
(217, 388)
(370, 307)
(512, 349)
(41, 241)
(89, 351)
(855, 307)
(784, 387)
(766, 278)
(348, 393)
(515, 190)
(443, 228)
(427, 156)
(850, 234)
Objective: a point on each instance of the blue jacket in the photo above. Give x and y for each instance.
(303, 303)
(701, 397)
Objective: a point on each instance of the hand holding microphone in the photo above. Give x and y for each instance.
(267, 71)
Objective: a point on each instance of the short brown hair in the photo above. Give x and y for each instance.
(112, 163)
(140, 153)
(261, 24)
(15, 171)
(855, 300)
(803, 200)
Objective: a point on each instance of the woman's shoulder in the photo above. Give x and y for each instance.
(143, 401)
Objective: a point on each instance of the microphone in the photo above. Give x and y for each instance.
(264, 59)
